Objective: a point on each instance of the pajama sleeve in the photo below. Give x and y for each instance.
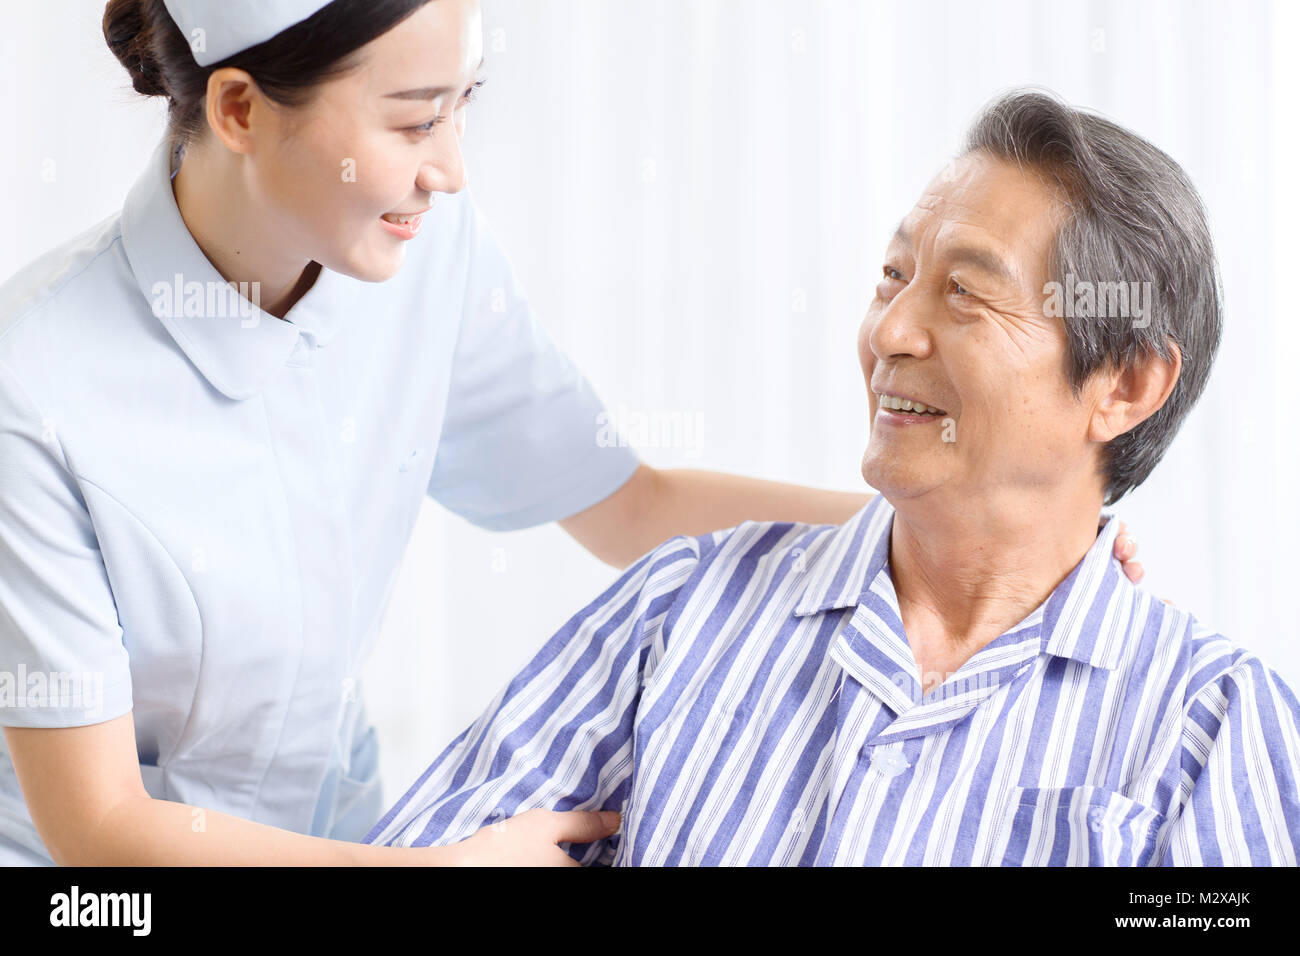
(1241, 768)
(559, 735)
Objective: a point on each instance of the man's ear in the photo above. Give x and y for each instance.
(1130, 396)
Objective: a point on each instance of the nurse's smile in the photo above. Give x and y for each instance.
(403, 226)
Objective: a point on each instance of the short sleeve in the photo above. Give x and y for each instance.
(525, 439)
(62, 660)
(1240, 771)
(559, 735)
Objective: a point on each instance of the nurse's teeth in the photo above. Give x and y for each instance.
(400, 220)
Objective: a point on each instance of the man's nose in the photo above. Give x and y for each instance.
(903, 326)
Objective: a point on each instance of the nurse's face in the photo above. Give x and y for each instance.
(380, 142)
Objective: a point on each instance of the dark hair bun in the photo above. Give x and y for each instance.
(130, 36)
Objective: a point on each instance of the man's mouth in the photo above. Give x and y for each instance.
(896, 404)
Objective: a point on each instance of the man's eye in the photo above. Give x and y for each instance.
(958, 288)
(892, 273)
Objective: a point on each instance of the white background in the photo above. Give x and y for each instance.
(696, 195)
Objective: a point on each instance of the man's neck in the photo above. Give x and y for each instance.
(967, 571)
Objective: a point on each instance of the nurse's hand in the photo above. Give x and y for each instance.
(530, 838)
(1126, 549)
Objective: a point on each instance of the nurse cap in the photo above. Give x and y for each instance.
(232, 26)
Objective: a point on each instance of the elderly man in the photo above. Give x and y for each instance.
(960, 674)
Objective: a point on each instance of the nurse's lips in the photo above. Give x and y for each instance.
(403, 225)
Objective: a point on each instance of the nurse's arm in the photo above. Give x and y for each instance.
(656, 504)
(83, 789)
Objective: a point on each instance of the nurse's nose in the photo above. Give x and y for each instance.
(444, 171)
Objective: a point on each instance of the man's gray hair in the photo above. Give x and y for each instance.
(1134, 217)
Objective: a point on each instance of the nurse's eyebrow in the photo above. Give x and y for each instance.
(427, 92)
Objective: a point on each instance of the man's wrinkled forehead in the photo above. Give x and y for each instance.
(953, 191)
(978, 199)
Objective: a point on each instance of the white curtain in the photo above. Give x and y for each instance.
(696, 195)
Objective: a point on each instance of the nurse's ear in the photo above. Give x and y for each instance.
(237, 112)
(158, 55)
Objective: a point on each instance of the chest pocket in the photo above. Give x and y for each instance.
(1078, 826)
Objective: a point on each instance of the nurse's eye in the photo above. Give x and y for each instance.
(426, 127)
(469, 96)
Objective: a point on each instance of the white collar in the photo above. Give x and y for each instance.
(236, 353)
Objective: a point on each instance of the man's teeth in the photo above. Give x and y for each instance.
(907, 405)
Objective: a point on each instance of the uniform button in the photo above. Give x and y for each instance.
(889, 762)
(1095, 817)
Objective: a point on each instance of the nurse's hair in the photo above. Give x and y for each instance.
(155, 51)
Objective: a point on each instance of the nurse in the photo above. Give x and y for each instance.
(220, 410)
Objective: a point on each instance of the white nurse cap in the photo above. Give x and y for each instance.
(217, 29)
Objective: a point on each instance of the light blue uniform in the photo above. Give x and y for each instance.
(201, 516)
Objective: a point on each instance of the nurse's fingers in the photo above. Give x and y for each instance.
(530, 838)
(574, 826)
(1134, 570)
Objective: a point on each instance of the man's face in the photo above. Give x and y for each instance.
(958, 323)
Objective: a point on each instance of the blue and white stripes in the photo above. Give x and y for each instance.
(749, 698)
